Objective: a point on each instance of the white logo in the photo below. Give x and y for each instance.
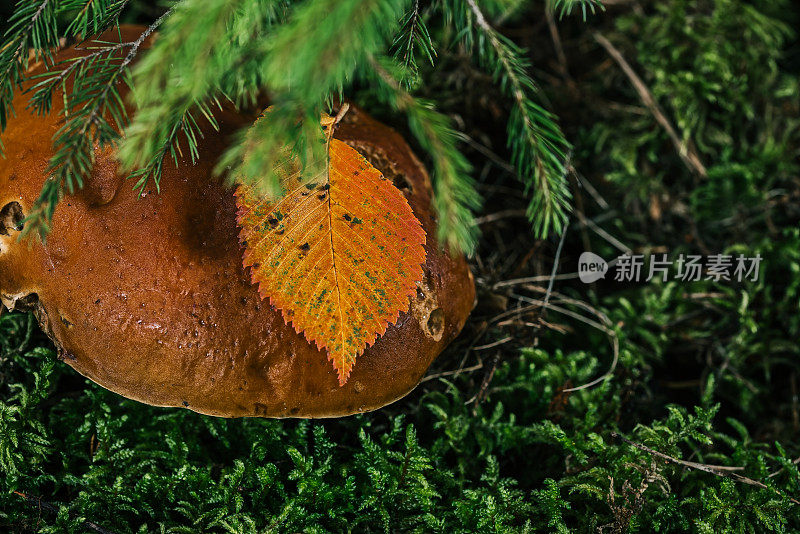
(591, 267)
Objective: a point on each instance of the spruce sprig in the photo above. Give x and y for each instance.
(412, 38)
(216, 51)
(33, 34)
(302, 63)
(60, 75)
(566, 7)
(305, 62)
(181, 73)
(538, 148)
(32, 26)
(455, 193)
(184, 124)
(94, 113)
(93, 16)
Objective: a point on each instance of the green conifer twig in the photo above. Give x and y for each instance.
(183, 71)
(93, 97)
(32, 26)
(41, 100)
(454, 188)
(538, 147)
(94, 16)
(414, 35)
(214, 49)
(305, 63)
(565, 7)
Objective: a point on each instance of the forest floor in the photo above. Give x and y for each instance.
(631, 405)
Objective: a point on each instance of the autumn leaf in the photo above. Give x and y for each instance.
(339, 254)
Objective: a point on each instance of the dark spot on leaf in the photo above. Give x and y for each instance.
(305, 247)
(347, 217)
(323, 196)
(272, 222)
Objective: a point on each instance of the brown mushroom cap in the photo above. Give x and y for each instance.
(148, 297)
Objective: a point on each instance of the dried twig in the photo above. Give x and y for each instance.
(490, 154)
(717, 470)
(487, 379)
(554, 271)
(605, 327)
(452, 373)
(687, 151)
(796, 461)
(505, 214)
(622, 247)
(586, 184)
(533, 280)
(494, 344)
(562, 57)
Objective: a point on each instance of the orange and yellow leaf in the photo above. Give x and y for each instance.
(339, 254)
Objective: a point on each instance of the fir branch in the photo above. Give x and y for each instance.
(32, 26)
(94, 97)
(305, 63)
(94, 16)
(207, 50)
(33, 34)
(566, 7)
(182, 71)
(41, 100)
(455, 194)
(309, 59)
(538, 148)
(186, 125)
(413, 36)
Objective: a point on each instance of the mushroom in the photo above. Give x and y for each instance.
(148, 297)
